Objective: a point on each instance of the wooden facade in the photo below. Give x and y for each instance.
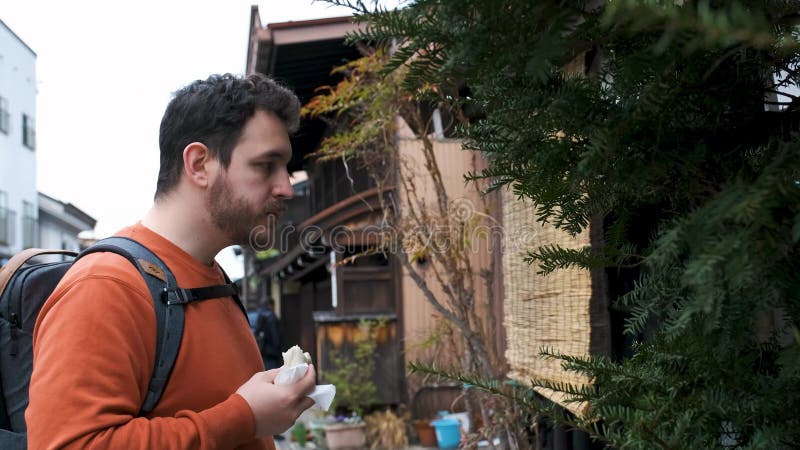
(336, 213)
(323, 299)
(422, 322)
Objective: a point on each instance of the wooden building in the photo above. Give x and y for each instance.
(336, 213)
(320, 302)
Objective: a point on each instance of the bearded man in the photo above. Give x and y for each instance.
(225, 147)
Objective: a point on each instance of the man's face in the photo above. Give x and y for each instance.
(249, 195)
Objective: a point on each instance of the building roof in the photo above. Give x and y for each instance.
(66, 212)
(17, 37)
(301, 54)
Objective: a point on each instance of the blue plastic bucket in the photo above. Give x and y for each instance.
(447, 433)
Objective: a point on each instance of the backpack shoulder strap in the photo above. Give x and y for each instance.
(170, 319)
(235, 295)
(168, 300)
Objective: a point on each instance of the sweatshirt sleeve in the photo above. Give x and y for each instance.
(94, 346)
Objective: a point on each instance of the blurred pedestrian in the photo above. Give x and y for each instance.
(268, 335)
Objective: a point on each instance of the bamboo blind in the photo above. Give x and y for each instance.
(553, 311)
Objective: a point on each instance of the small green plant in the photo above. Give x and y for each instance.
(352, 374)
(299, 433)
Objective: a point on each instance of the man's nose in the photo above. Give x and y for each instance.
(284, 188)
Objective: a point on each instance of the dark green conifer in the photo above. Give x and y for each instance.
(676, 123)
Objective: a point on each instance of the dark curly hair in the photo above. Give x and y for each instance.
(214, 112)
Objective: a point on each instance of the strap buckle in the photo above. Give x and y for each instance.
(176, 296)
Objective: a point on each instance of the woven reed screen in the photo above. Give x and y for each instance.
(565, 310)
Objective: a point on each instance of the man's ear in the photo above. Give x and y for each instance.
(198, 163)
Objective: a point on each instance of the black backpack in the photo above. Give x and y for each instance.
(25, 288)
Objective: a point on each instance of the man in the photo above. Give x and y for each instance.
(268, 335)
(224, 149)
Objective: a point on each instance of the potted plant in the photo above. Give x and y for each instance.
(355, 390)
(425, 433)
(349, 433)
(316, 427)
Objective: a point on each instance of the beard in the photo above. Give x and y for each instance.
(236, 218)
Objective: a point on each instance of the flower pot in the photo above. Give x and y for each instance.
(462, 418)
(317, 429)
(425, 432)
(448, 433)
(345, 436)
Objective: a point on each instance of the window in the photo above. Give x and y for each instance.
(5, 116)
(28, 225)
(28, 132)
(5, 220)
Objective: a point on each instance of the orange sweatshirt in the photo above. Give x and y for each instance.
(94, 350)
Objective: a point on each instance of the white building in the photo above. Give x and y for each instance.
(18, 195)
(60, 223)
(27, 218)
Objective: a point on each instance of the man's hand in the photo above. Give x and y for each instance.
(276, 407)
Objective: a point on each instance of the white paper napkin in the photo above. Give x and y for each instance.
(323, 394)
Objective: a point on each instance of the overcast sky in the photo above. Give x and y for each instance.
(105, 71)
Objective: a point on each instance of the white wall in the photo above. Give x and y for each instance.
(17, 162)
(57, 227)
(52, 236)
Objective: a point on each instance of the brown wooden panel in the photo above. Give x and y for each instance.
(305, 323)
(291, 314)
(366, 296)
(366, 289)
(430, 399)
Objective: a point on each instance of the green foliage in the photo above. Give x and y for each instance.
(361, 109)
(676, 122)
(352, 374)
(299, 433)
(520, 394)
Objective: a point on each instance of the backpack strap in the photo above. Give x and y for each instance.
(179, 296)
(168, 300)
(235, 295)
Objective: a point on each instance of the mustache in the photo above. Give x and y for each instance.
(276, 208)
